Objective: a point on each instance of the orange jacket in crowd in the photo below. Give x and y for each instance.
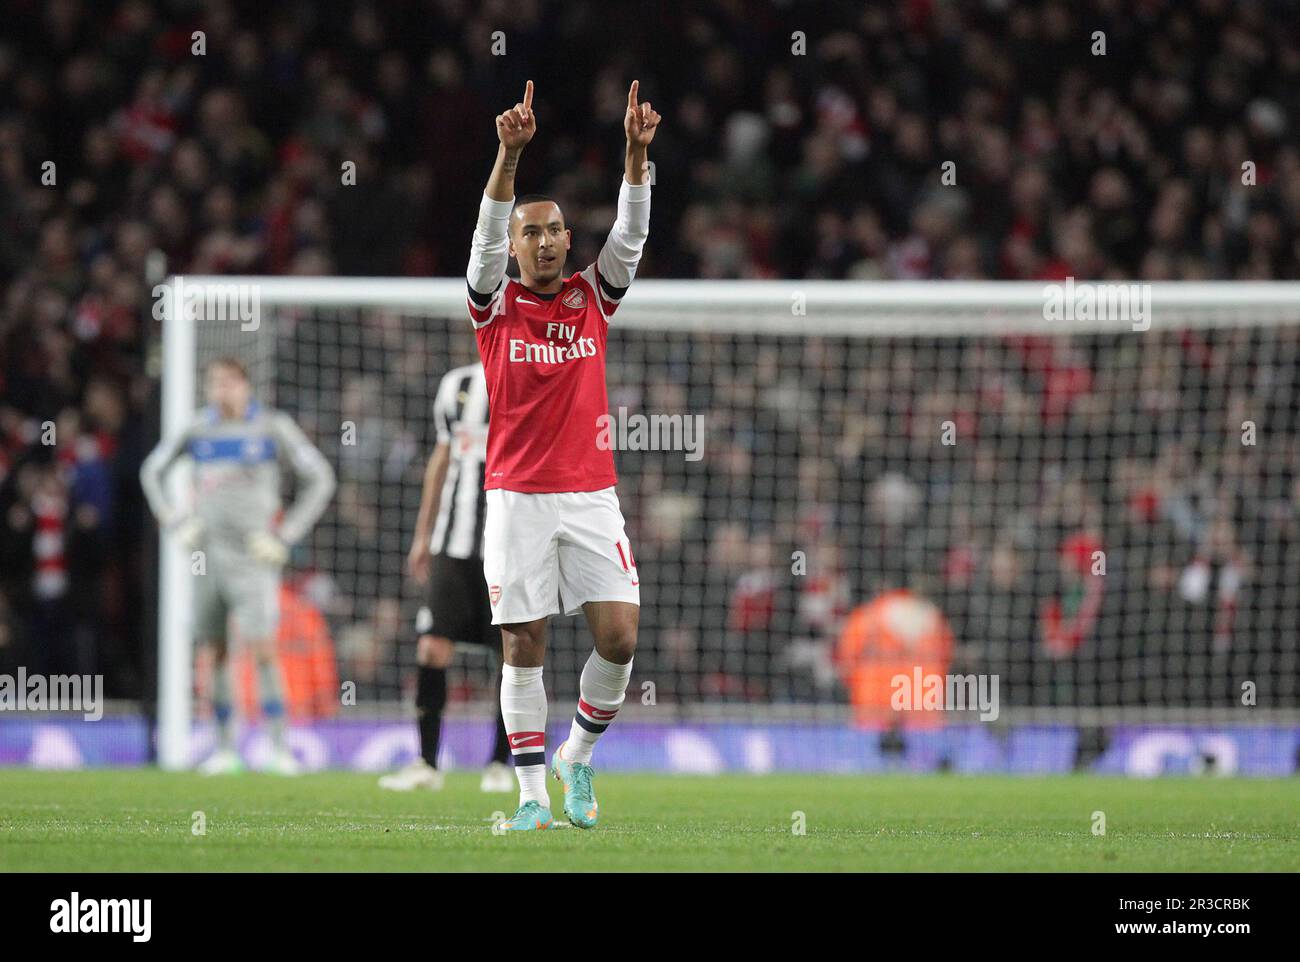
(894, 634)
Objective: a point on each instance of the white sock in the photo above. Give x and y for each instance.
(523, 707)
(600, 694)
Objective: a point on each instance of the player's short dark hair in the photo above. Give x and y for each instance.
(534, 199)
(230, 362)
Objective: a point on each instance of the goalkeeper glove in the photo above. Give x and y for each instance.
(267, 549)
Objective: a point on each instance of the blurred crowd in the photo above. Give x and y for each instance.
(1150, 139)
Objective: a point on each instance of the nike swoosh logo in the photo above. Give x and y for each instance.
(524, 300)
(519, 741)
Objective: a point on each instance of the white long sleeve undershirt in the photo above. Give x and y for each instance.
(618, 259)
(489, 251)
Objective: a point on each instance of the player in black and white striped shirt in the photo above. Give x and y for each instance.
(447, 554)
(460, 417)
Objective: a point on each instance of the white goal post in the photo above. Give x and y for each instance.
(853, 313)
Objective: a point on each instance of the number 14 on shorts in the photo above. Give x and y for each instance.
(627, 561)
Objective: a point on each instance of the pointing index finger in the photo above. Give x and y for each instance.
(631, 94)
(528, 96)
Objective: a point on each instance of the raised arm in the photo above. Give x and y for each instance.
(515, 128)
(616, 265)
(639, 123)
(489, 250)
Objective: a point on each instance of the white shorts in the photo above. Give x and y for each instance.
(549, 553)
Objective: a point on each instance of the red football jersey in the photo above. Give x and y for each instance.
(544, 361)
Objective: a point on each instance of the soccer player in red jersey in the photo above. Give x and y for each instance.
(554, 538)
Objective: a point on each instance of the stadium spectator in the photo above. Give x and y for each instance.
(885, 646)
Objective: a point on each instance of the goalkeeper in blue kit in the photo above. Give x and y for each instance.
(236, 445)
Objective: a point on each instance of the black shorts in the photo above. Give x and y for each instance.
(457, 605)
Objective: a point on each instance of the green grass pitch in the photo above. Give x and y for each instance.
(142, 821)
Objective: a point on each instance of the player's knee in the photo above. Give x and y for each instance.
(617, 642)
(434, 651)
(618, 648)
(524, 644)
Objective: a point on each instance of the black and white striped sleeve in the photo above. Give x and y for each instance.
(444, 407)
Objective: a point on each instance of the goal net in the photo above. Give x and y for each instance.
(1083, 497)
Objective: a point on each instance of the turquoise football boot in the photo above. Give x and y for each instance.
(579, 798)
(531, 817)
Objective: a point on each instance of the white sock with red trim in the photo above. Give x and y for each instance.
(600, 694)
(523, 708)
